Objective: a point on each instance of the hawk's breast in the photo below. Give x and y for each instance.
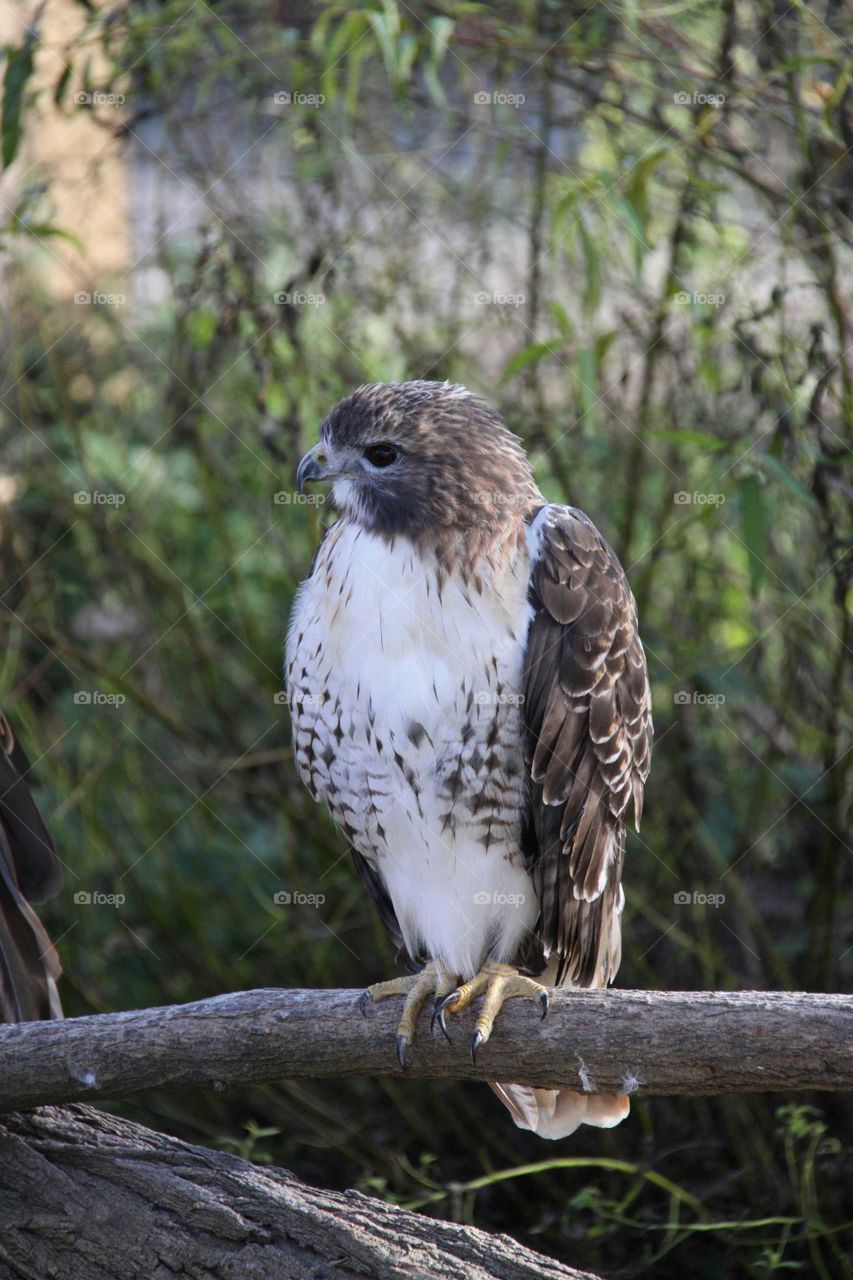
(405, 690)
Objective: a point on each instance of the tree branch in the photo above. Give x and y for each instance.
(652, 1042)
(93, 1196)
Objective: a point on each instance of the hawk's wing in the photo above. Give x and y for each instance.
(379, 896)
(589, 734)
(29, 870)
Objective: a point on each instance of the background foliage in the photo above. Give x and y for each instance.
(623, 223)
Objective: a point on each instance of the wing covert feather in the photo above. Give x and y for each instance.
(589, 733)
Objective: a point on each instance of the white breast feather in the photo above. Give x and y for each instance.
(408, 721)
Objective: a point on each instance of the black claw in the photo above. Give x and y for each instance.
(401, 1051)
(364, 1003)
(438, 1016)
(543, 1000)
(476, 1041)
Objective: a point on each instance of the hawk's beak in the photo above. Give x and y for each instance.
(314, 466)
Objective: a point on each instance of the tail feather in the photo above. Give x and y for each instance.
(556, 1113)
(29, 869)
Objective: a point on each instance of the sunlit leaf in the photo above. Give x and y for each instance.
(755, 522)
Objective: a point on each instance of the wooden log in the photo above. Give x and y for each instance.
(94, 1197)
(674, 1042)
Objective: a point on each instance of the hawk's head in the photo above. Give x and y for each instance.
(422, 459)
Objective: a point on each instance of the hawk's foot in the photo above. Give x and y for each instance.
(417, 988)
(496, 983)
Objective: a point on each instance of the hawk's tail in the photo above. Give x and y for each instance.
(29, 871)
(555, 1113)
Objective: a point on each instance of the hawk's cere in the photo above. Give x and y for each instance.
(469, 696)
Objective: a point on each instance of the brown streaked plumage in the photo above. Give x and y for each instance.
(469, 695)
(29, 872)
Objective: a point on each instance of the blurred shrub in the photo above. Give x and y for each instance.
(623, 227)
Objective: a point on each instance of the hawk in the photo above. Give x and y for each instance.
(469, 696)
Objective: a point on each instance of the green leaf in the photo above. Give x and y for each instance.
(529, 355)
(43, 229)
(433, 84)
(634, 223)
(592, 285)
(201, 328)
(755, 522)
(385, 27)
(637, 190)
(441, 29)
(781, 472)
(603, 343)
(587, 383)
(19, 66)
(62, 86)
(561, 316)
(702, 439)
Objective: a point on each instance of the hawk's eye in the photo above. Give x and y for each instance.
(380, 455)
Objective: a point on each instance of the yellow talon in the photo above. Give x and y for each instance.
(496, 983)
(417, 988)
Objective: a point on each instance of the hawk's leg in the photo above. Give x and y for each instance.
(496, 983)
(417, 988)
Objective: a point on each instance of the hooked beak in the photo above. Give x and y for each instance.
(314, 466)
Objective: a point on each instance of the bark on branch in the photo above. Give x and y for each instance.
(604, 1041)
(93, 1197)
